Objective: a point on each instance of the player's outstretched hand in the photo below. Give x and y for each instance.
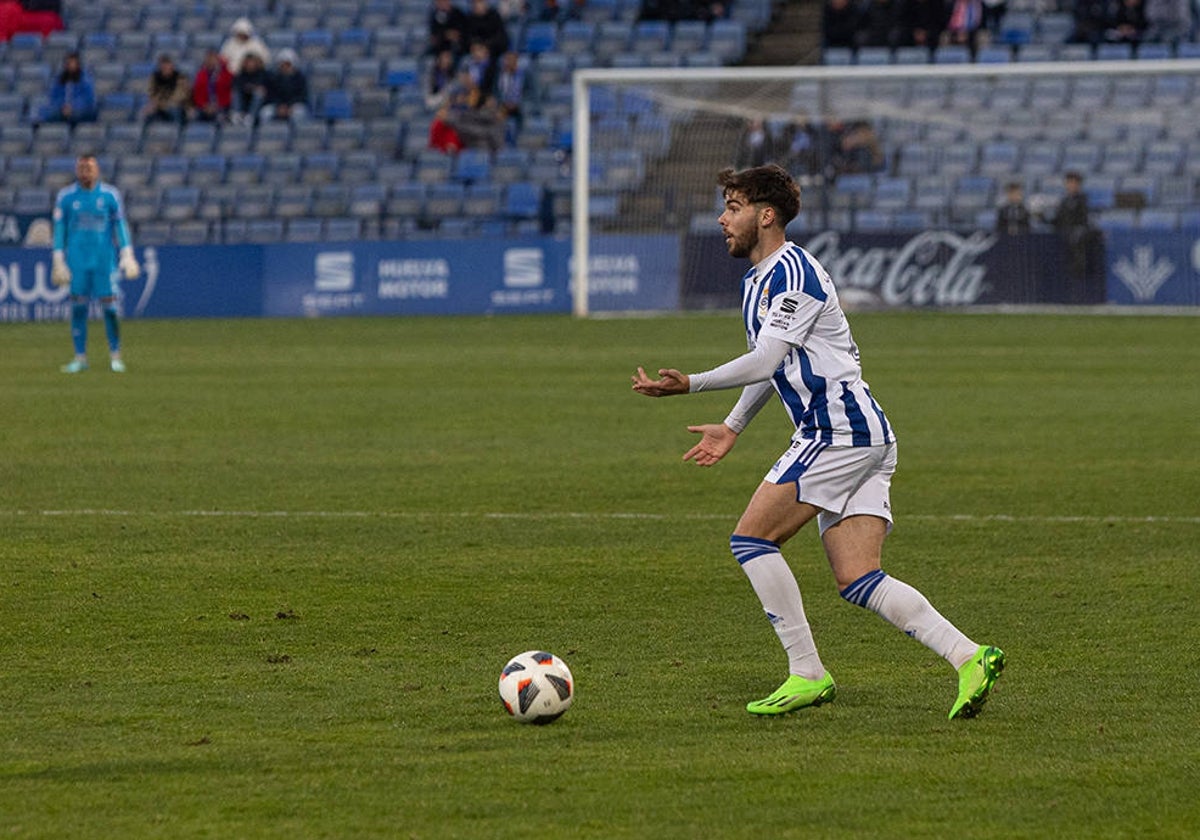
(715, 442)
(669, 382)
(60, 275)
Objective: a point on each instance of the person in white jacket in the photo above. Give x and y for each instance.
(241, 41)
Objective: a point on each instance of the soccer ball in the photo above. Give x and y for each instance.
(536, 687)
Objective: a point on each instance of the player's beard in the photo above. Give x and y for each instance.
(742, 246)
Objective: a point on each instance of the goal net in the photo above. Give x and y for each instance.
(902, 172)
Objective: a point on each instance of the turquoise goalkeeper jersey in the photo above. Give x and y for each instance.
(89, 226)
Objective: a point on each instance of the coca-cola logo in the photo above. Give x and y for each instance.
(932, 268)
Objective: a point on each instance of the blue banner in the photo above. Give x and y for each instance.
(638, 272)
(1152, 268)
(435, 277)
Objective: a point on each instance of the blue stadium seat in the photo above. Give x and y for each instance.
(179, 203)
(170, 170)
(303, 230)
(264, 231)
(341, 229)
(255, 201)
(650, 36)
(314, 44)
(359, 167)
(483, 200)
(191, 232)
(576, 36)
(207, 170)
(406, 199)
(197, 138)
(445, 200)
(539, 37)
(330, 199)
(523, 200)
(472, 165)
(294, 201)
(320, 167)
(282, 168)
(245, 168)
(335, 105)
(367, 199)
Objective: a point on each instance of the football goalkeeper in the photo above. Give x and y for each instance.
(839, 465)
(91, 238)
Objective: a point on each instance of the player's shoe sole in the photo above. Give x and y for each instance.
(74, 366)
(795, 693)
(975, 680)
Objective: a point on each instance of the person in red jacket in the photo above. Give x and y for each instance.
(212, 89)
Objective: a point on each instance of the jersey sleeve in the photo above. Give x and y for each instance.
(794, 309)
(60, 221)
(119, 225)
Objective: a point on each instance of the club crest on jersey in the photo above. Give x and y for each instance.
(764, 301)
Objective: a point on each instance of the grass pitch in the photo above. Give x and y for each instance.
(263, 584)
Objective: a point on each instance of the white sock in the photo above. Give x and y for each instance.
(777, 590)
(910, 611)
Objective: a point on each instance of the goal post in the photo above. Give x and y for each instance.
(876, 150)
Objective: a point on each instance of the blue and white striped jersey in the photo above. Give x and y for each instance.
(790, 296)
(89, 225)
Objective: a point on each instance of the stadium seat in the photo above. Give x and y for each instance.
(335, 105)
(293, 200)
(482, 200)
(330, 199)
(367, 199)
(341, 229)
(255, 201)
(303, 230)
(264, 231)
(539, 37)
(445, 200)
(191, 232)
(472, 165)
(319, 168)
(282, 168)
(133, 170)
(271, 138)
(522, 200)
(58, 171)
(406, 199)
(246, 168)
(650, 36)
(179, 203)
(197, 138)
(170, 170)
(207, 170)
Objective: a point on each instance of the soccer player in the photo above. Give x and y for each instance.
(90, 239)
(839, 465)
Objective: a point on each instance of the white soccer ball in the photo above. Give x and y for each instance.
(536, 687)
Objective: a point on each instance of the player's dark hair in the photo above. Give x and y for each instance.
(770, 185)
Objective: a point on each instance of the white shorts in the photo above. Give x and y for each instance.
(841, 480)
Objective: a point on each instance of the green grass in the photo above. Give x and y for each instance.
(263, 585)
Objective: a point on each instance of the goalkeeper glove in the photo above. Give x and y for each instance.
(128, 263)
(60, 275)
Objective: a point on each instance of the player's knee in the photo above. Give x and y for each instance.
(746, 549)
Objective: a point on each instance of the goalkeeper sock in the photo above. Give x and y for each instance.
(79, 327)
(777, 590)
(112, 327)
(910, 611)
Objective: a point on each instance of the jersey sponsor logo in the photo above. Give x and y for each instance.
(789, 305)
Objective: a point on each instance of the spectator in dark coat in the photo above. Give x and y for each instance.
(447, 23)
(839, 24)
(483, 23)
(72, 96)
(287, 91)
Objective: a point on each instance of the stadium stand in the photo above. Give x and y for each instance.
(362, 165)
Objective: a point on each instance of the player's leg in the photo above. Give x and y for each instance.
(79, 331)
(853, 543)
(773, 516)
(112, 329)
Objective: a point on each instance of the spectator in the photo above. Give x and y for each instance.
(551, 12)
(1128, 23)
(858, 149)
(754, 147)
(675, 10)
(41, 16)
(803, 149)
(442, 135)
(511, 85)
(481, 67)
(250, 88)
(1072, 223)
(474, 115)
(441, 80)
(243, 40)
(446, 25)
(1091, 21)
(922, 23)
(72, 96)
(839, 24)
(483, 23)
(1013, 218)
(167, 93)
(1168, 21)
(964, 23)
(287, 91)
(212, 89)
(878, 25)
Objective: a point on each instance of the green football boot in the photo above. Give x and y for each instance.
(795, 693)
(975, 680)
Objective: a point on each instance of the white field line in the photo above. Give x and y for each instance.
(534, 516)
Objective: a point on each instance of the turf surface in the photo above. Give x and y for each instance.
(263, 584)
